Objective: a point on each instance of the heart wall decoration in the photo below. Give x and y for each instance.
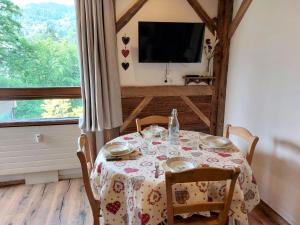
(125, 65)
(125, 40)
(125, 52)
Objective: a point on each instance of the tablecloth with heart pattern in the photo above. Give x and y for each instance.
(131, 195)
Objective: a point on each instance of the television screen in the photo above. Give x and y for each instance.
(168, 42)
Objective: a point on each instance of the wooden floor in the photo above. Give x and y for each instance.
(65, 203)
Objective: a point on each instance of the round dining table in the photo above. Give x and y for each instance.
(131, 193)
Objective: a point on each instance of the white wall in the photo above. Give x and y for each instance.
(263, 95)
(143, 74)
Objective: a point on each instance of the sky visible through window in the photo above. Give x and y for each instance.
(38, 48)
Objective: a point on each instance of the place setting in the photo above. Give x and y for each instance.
(117, 151)
(216, 144)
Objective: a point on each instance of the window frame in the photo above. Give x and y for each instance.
(11, 94)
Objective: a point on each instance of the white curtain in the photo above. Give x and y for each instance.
(100, 83)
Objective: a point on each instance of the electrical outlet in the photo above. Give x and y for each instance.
(38, 138)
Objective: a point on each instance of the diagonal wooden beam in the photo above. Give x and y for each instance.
(196, 110)
(239, 16)
(136, 112)
(129, 14)
(203, 15)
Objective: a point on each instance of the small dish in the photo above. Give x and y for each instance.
(215, 142)
(154, 131)
(179, 164)
(118, 148)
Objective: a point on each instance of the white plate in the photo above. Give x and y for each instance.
(179, 164)
(153, 130)
(216, 142)
(118, 148)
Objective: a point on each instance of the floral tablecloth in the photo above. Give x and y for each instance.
(131, 195)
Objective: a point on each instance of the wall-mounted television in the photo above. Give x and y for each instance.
(169, 42)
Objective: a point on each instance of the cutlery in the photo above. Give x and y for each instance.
(156, 169)
(113, 159)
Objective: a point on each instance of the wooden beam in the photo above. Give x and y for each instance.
(239, 16)
(39, 122)
(166, 91)
(225, 11)
(129, 14)
(39, 93)
(196, 110)
(136, 112)
(203, 15)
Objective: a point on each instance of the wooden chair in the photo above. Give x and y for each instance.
(201, 174)
(87, 164)
(244, 134)
(150, 120)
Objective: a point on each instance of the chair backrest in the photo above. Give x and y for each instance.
(87, 164)
(201, 174)
(150, 120)
(244, 134)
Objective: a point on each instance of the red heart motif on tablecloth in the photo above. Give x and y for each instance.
(99, 168)
(187, 148)
(127, 138)
(204, 165)
(156, 142)
(144, 217)
(162, 157)
(130, 170)
(224, 154)
(125, 52)
(113, 207)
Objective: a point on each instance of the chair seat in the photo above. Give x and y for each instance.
(196, 220)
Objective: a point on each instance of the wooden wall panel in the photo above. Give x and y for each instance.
(19, 154)
(163, 106)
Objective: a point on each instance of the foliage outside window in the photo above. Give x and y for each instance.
(38, 49)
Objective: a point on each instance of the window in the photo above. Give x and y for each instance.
(39, 68)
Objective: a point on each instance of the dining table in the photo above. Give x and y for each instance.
(133, 192)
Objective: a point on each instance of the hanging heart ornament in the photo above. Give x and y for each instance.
(125, 40)
(125, 52)
(125, 65)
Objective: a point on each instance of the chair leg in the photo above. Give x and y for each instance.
(96, 220)
(96, 217)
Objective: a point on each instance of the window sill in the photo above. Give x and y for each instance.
(39, 122)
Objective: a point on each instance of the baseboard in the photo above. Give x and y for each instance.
(69, 174)
(11, 183)
(272, 213)
(42, 177)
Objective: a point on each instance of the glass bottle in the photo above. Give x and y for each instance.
(174, 128)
